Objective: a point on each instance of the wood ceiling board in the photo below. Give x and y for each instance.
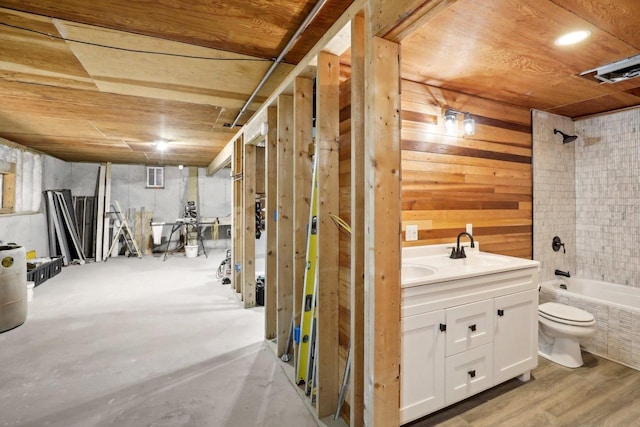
(136, 132)
(617, 17)
(503, 50)
(605, 103)
(258, 28)
(18, 123)
(36, 54)
(226, 81)
(57, 102)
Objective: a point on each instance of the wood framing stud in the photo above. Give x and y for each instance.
(382, 225)
(285, 219)
(356, 389)
(237, 241)
(328, 138)
(395, 20)
(249, 226)
(271, 206)
(303, 138)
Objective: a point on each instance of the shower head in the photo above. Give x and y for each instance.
(565, 138)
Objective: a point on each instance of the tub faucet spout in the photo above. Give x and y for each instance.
(562, 273)
(458, 252)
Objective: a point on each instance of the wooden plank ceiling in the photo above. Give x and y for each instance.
(86, 102)
(504, 50)
(78, 79)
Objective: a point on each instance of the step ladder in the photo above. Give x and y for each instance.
(124, 231)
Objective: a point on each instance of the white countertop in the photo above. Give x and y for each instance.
(423, 265)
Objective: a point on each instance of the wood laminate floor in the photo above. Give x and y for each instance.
(600, 393)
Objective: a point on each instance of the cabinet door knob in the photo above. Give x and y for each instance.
(472, 374)
(500, 312)
(473, 328)
(443, 327)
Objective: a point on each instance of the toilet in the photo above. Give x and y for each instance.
(560, 329)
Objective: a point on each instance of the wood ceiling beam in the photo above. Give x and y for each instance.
(395, 20)
(299, 70)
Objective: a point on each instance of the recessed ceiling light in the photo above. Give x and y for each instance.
(572, 38)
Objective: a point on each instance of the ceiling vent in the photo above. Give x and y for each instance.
(617, 71)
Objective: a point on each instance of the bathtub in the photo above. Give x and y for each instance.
(616, 309)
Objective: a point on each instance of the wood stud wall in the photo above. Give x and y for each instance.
(447, 182)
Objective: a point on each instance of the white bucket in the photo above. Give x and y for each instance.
(156, 229)
(30, 286)
(191, 251)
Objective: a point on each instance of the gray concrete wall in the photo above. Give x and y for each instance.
(30, 229)
(166, 204)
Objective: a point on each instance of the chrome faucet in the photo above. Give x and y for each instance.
(458, 252)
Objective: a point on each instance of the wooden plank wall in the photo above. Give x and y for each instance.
(449, 181)
(344, 274)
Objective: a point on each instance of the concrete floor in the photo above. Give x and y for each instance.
(142, 342)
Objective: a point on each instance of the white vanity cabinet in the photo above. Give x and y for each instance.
(461, 337)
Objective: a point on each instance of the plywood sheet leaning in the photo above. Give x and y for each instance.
(99, 215)
(107, 202)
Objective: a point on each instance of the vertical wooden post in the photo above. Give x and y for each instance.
(328, 141)
(192, 185)
(382, 238)
(271, 207)
(303, 128)
(249, 226)
(356, 389)
(260, 171)
(236, 237)
(285, 219)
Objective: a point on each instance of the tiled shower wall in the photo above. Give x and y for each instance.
(607, 161)
(554, 201)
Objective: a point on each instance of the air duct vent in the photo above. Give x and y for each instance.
(617, 71)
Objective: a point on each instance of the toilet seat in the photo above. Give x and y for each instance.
(565, 314)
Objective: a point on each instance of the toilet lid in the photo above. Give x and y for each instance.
(564, 313)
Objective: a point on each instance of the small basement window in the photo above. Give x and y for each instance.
(7, 187)
(155, 177)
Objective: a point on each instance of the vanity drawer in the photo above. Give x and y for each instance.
(468, 373)
(469, 326)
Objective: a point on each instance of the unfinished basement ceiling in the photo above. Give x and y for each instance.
(84, 102)
(89, 102)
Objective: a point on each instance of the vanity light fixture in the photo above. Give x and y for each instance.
(572, 38)
(450, 118)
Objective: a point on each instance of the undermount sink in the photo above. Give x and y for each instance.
(415, 271)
